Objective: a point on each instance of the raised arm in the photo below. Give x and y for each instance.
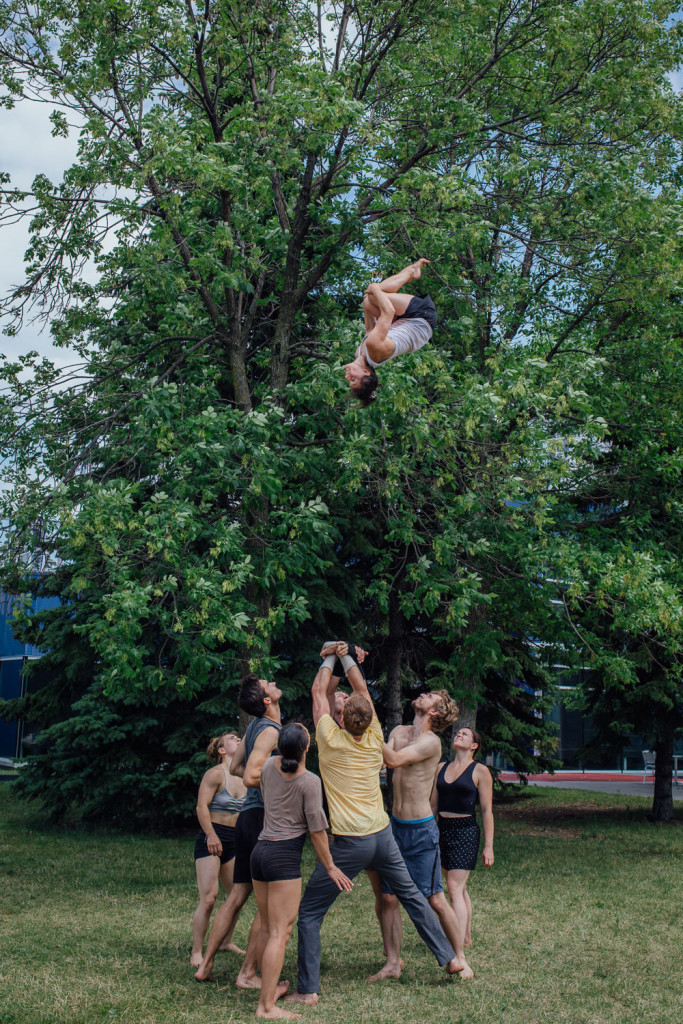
(484, 783)
(354, 676)
(423, 747)
(321, 692)
(264, 746)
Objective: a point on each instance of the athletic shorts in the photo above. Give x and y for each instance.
(226, 834)
(459, 839)
(277, 860)
(418, 842)
(420, 306)
(247, 831)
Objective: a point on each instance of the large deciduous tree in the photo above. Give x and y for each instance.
(199, 492)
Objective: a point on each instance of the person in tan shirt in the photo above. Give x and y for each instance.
(293, 805)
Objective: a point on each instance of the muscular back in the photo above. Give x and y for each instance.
(413, 782)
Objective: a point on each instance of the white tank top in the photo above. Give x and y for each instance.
(407, 336)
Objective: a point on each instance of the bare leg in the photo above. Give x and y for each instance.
(223, 922)
(391, 926)
(392, 934)
(278, 905)
(468, 930)
(371, 310)
(247, 977)
(207, 869)
(227, 945)
(410, 273)
(457, 882)
(454, 932)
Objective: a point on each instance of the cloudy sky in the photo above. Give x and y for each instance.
(28, 149)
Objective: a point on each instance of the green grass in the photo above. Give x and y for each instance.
(577, 923)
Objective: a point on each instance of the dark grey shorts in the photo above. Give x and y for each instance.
(418, 842)
(423, 307)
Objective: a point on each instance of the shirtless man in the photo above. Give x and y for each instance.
(394, 325)
(413, 752)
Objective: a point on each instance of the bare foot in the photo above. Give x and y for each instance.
(456, 965)
(468, 940)
(309, 998)
(466, 973)
(247, 981)
(204, 972)
(196, 960)
(388, 971)
(281, 990)
(417, 267)
(230, 947)
(275, 1012)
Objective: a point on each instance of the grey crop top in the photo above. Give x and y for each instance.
(224, 802)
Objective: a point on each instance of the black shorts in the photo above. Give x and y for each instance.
(459, 843)
(423, 307)
(277, 860)
(226, 834)
(247, 831)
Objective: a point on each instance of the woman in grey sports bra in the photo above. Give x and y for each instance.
(394, 324)
(220, 800)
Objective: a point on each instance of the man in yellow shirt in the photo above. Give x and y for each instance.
(350, 762)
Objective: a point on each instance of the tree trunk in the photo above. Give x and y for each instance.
(467, 718)
(662, 802)
(393, 709)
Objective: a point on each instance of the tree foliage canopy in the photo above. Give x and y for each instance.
(199, 491)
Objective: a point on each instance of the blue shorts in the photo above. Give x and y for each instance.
(418, 842)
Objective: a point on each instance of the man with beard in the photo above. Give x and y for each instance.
(413, 752)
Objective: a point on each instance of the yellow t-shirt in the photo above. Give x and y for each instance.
(350, 772)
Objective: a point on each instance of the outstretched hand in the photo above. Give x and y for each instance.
(343, 883)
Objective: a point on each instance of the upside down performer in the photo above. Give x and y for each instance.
(394, 324)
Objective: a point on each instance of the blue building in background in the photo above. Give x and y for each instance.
(16, 737)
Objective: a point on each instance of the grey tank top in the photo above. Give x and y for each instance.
(224, 802)
(254, 729)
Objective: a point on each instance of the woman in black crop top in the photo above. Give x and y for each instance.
(458, 785)
(218, 803)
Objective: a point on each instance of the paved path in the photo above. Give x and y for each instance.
(628, 785)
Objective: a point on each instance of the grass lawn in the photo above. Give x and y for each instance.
(579, 922)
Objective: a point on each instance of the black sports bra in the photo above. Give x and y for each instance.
(460, 796)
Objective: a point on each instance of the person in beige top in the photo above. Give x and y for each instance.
(413, 752)
(293, 803)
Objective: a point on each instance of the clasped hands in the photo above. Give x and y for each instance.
(341, 648)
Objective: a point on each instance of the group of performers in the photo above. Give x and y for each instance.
(254, 839)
